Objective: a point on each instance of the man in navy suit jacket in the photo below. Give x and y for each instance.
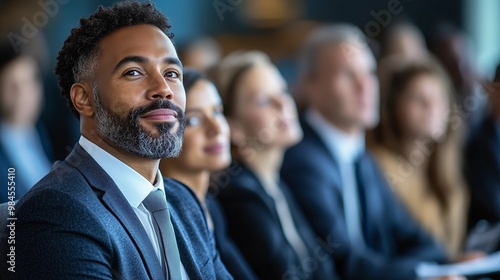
(336, 182)
(86, 219)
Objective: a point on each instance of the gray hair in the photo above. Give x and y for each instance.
(85, 66)
(328, 35)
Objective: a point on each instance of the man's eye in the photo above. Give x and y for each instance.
(172, 74)
(132, 73)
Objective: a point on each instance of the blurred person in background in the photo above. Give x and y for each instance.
(263, 218)
(418, 147)
(482, 159)
(455, 50)
(403, 38)
(24, 143)
(202, 54)
(337, 183)
(206, 149)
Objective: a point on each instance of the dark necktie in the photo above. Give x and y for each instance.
(156, 203)
(351, 199)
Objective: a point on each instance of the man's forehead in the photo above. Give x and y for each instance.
(345, 54)
(139, 40)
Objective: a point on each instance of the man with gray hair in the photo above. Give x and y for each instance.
(336, 182)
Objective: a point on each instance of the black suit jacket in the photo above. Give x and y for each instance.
(395, 242)
(483, 173)
(76, 224)
(255, 228)
(229, 253)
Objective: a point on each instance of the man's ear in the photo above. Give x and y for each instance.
(237, 133)
(81, 96)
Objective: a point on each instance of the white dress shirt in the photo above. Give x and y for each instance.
(134, 187)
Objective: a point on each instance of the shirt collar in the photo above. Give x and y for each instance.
(343, 147)
(133, 185)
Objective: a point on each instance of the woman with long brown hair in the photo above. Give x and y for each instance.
(417, 144)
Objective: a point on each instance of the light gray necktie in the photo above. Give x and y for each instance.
(156, 203)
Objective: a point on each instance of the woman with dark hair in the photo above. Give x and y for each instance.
(418, 145)
(205, 150)
(263, 218)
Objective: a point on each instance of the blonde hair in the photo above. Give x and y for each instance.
(229, 71)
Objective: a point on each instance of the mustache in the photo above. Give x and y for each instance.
(159, 104)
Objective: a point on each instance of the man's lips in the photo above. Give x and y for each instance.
(161, 115)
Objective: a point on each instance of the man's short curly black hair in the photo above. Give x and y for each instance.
(77, 58)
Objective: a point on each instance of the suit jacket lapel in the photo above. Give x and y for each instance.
(186, 250)
(370, 184)
(119, 206)
(247, 174)
(188, 256)
(313, 137)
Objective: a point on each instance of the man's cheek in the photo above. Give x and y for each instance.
(119, 108)
(180, 98)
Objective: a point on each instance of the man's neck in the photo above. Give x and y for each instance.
(349, 129)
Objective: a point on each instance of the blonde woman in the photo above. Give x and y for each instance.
(264, 219)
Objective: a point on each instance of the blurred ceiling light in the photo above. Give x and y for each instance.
(271, 14)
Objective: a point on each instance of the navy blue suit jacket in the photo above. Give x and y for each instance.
(229, 253)
(254, 226)
(482, 161)
(76, 224)
(395, 242)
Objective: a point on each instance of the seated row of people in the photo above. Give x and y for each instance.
(324, 209)
(285, 194)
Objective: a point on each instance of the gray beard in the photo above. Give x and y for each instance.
(128, 134)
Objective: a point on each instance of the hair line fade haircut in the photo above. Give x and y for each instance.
(78, 56)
